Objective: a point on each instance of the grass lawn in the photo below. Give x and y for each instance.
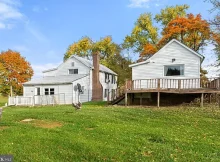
(3, 100)
(100, 133)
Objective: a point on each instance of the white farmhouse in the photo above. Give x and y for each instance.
(173, 61)
(76, 79)
(172, 74)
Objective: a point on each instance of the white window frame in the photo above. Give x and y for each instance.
(174, 65)
(73, 71)
(49, 91)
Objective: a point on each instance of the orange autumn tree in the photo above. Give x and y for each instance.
(191, 30)
(15, 71)
(147, 52)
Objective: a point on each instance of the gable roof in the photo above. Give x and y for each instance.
(51, 80)
(173, 40)
(89, 64)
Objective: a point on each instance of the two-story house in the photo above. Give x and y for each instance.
(75, 80)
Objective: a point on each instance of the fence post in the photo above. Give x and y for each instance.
(16, 100)
(9, 103)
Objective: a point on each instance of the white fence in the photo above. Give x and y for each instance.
(57, 99)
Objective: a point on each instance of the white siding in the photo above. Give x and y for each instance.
(50, 73)
(62, 92)
(28, 91)
(63, 69)
(155, 69)
(87, 95)
(67, 91)
(108, 86)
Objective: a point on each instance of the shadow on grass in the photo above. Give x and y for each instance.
(95, 103)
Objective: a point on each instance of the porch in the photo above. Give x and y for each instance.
(172, 86)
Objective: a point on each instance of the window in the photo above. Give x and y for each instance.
(106, 78)
(174, 70)
(38, 91)
(113, 79)
(46, 91)
(106, 93)
(113, 94)
(73, 71)
(49, 91)
(72, 64)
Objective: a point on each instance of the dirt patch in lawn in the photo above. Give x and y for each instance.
(27, 120)
(3, 127)
(42, 123)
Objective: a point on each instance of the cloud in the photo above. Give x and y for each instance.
(9, 12)
(139, 3)
(2, 26)
(210, 63)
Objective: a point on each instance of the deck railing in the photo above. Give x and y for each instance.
(164, 83)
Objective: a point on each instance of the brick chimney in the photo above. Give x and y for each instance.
(97, 90)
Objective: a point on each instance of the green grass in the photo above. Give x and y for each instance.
(100, 133)
(3, 100)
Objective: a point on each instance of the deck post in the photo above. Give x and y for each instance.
(202, 99)
(141, 100)
(158, 99)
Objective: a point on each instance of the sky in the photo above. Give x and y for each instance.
(42, 30)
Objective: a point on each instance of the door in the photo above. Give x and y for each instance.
(37, 97)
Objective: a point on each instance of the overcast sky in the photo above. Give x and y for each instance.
(42, 30)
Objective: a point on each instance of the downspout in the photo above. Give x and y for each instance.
(89, 82)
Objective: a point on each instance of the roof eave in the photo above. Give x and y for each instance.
(49, 70)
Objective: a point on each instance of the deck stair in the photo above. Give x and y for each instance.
(118, 99)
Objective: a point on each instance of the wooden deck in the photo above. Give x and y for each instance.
(174, 86)
(194, 85)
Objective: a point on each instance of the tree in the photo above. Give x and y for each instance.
(144, 32)
(147, 52)
(169, 13)
(81, 48)
(190, 30)
(15, 70)
(216, 7)
(110, 55)
(215, 23)
(216, 42)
